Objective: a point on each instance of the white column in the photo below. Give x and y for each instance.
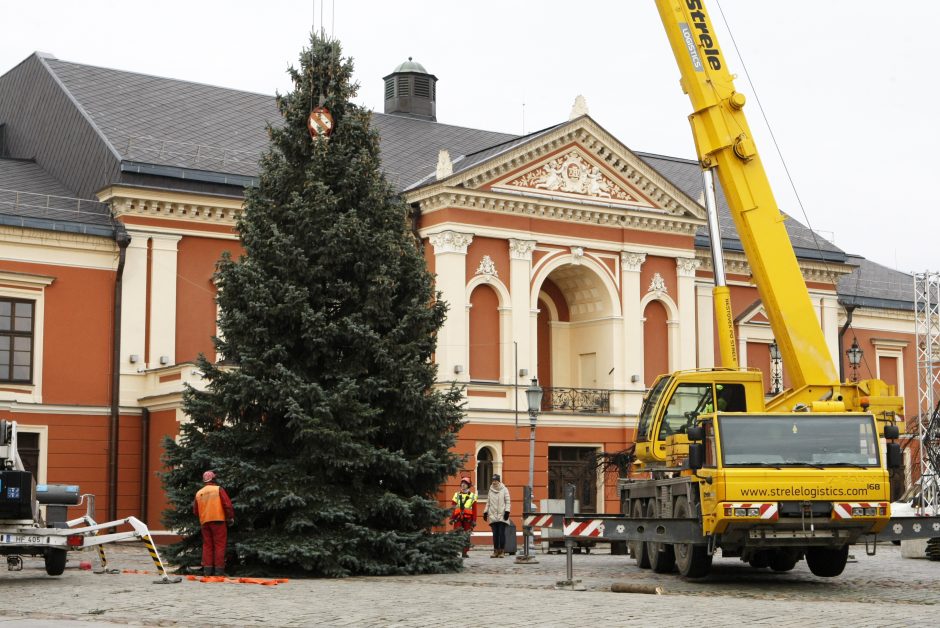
(163, 300)
(685, 288)
(829, 319)
(524, 326)
(631, 348)
(450, 253)
(706, 326)
(134, 302)
(675, 348)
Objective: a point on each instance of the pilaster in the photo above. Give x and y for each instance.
(524, 318)
(630, 360)
(450, 252)
(134, 303)
(163, 299)
(705, 303)
(685, 287)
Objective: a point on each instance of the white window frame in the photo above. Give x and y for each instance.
(29, 287)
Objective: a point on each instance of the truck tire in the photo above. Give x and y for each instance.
(55, 561)
(662, 556)
(784, 559)
(692, 559)
(759, 559)
(638, 548)
(826, 562)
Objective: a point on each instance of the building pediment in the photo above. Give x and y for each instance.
(573, 173)
(577, 165)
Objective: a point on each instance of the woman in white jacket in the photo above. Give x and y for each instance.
(497, 514)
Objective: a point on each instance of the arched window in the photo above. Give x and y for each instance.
(484, 334)
(484, 469)
(655, 342)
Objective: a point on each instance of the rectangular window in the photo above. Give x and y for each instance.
(16, 340)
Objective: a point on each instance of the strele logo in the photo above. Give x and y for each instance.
(709, 45)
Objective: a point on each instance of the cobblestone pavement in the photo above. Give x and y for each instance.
(884, 590)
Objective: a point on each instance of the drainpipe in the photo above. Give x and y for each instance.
(122, 239)
(849, 310)
(144, 461)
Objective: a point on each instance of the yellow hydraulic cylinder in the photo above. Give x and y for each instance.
(725, 320)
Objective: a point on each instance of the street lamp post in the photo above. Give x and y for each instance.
(854, 354)
(776, 376)
(534, 398)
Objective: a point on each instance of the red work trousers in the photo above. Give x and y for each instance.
(214, 538)
(465, 524)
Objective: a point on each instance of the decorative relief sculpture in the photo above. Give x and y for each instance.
(487, 268)
(445, 167)
(658, 284)
(686, 266)
(521, 249)
(450, 242)
(573, 174)
(578, 253)
(632, 261)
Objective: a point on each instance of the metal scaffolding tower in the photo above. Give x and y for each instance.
(927, 339)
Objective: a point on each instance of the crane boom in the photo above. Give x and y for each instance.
(724, 143)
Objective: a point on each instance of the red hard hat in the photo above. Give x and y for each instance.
(208, 476)
(467, 480)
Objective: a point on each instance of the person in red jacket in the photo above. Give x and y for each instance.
(464, 514)
(214, 509)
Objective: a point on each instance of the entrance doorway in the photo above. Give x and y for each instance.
(574, 465)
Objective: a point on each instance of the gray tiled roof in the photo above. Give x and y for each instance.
(168, 122)
(687, 175)
(180, 124)
(874, 285)
(410, 146)
(31, 197)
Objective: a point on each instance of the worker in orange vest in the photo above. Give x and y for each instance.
(214, 509)
(464, 515)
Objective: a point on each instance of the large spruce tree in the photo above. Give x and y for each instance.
(322, 422)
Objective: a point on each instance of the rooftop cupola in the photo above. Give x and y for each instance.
(410, 90)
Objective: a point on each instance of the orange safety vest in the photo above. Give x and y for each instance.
(210, 504)
(464, 503)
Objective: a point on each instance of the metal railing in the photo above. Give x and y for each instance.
(190, 154)
(592, 400)
(30, 204)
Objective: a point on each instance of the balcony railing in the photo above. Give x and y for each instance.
(594, 400)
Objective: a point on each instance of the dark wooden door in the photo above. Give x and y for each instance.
(574, 465)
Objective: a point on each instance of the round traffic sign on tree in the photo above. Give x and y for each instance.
(320, 123)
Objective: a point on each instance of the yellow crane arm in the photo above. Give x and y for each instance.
(724, 143)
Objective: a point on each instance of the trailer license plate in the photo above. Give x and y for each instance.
(21, 538)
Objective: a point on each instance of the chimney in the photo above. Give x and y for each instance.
(410, 90)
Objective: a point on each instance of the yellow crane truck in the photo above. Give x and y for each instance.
(801, 475)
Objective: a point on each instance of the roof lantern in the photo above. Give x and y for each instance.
(410, 90)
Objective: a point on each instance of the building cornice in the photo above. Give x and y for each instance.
(168, 204)
(816, 272)
(556, 209)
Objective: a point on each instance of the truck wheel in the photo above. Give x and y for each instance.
(692, 559)
(784, 560)
(638, 548)
(55, 561)
(662, 556)
(826, 562)
(759, 559)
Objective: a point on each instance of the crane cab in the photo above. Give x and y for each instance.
(675, 401)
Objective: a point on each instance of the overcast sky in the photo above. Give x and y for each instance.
(849, 88)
